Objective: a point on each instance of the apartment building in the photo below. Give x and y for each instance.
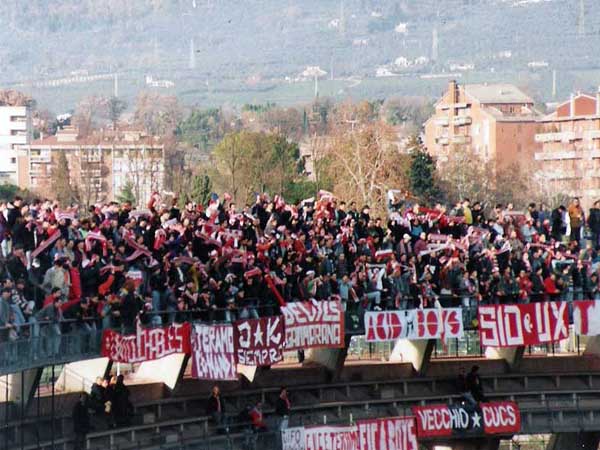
(15, 131)
(495, 121)
(100, 164)
(569, 157)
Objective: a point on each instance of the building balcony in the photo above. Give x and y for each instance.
(461, 140)
(592, 134)
(462, 120)
(565, 136)
(442, 121)
(557, 156)
(455, 105)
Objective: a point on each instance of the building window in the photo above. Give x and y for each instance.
(13, 160)
(519, 148)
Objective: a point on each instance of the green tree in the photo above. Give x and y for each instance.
(8, 192)
(284, 162)
(422, 175)
(115, 107)
(127, 193)
(202, 187)
(60, 181)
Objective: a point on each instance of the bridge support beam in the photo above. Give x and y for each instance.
(512, 355)
(79, 376)
(167, 370)
(418, 353)
(19, 388)
(571, 441)
(592, 345)
(331, 358)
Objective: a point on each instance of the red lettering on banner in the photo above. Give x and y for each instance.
(331, 438)
(213, 352)
(314, 325)
(146, 344)
(259, 342)
(528, 324)
(438, 323)
(586, 317)
(501, 418)
(394, 433)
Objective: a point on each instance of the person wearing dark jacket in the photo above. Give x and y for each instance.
(594, 223)
(283, 408)
(215, 408)
(122, 405)
(474, 385)
(129, 307)
(81, 421)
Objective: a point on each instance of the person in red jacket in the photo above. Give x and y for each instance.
(257, 418)
(552, 292)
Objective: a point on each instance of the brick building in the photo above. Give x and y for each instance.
(99, 165)
(496, 121)
(569, 157)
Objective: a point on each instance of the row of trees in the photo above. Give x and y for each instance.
(357, 150)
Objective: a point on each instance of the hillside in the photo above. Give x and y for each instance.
(238, 45)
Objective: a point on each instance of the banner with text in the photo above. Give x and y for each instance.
(213, 352)
(586, 317)
(146, 344)
(313, 325)
(467, 420)
(392, 433)
(436, 323)
(331, 438)
(528, 324)
(293, 439)
(259, 342)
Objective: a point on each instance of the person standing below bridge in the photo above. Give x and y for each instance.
(474, 384)
(81, 421)
(216, 409)
(283, 408)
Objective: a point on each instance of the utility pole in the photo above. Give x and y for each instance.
(192, 64)
(116, 85)
(581, 20)
(554, 84)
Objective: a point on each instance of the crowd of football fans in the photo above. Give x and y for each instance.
(113, 266)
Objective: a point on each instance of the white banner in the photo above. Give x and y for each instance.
(213, 353)
(313, 325)
(293, 439)
(415, 324)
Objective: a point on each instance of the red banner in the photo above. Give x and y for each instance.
(394, 433)
(467, 420)
(501, 417)
(586, 317)
(146, 344)
(259, 342)
(436, 323)
(313, 325)
(213, 352)
(529, 324)
(331, 438)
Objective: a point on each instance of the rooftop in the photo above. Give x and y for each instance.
(126, 136)
(497, 93)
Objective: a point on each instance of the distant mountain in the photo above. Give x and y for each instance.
(214, 41)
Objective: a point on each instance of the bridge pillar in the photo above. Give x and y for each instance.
(418, 353)
(167, 370)
(331, 358)
(19, 388)
(592, 345)
(571, 441)
(512, 355)
(79, 376)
